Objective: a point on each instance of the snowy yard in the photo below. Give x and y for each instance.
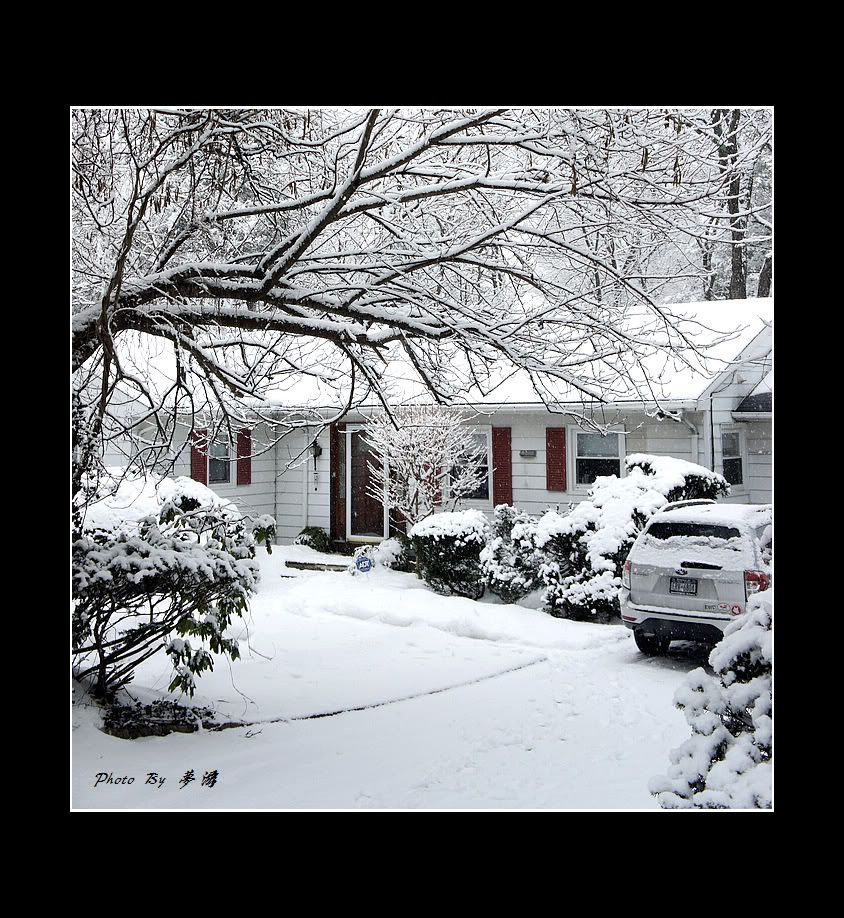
(431, 703)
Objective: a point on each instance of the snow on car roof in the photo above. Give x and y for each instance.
(718, 514)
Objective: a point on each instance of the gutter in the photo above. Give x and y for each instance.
(752, 415)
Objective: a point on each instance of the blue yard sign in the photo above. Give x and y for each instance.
(363, 564)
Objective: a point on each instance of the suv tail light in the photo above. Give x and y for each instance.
(755, 582)
(625, 575)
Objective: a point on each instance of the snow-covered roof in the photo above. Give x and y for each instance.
(761, 399)
(723, 328)
(765, 384)
(667, 378)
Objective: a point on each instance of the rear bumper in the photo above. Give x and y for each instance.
(671, 623)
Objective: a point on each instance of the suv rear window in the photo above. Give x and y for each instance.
(706, 530)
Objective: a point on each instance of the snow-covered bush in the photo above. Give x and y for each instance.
(314, 537)
(727, 763)
(264, 531)
(448, 547)
(394, 553)
(156, 565)
(584, 551)
(510, 562)
(679, 479)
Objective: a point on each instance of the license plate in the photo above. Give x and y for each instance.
(680, 585)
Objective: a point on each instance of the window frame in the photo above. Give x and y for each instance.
(477, 503)
(576, 486)
(227, 461)
(742, 455)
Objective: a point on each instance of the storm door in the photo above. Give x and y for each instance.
(366, 519)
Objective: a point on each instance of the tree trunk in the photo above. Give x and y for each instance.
(728, 157)
(766, 277)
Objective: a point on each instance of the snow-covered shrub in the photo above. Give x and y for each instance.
(584, 551)
(679, 479)
(314, 537)
(510, 562)
(727, 763)
(156, 565)
(393, 553)
(264, 531)
(448, 547)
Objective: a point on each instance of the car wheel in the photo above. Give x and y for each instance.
(650, 643)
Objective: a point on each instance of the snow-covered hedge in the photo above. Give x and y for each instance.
(678, 479)
(510, 562)
(156, 564)
(448, 547)
(314, 537)
(727, 763)
(584, 551)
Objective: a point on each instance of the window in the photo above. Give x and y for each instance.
(218, 463)
(731, 447)
(596, 455)
(690, 530)
(482, 491)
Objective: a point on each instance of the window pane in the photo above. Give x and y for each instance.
(690, 530)
(482, 491)
(589, 469)
(596, 445)
(218, 462)
(730, 444)
(732, 471)
(218, 470)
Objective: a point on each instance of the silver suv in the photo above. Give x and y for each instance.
(692, 570)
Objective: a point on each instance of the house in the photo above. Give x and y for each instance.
(721, 418)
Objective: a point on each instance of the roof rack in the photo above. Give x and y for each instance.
(674, 505)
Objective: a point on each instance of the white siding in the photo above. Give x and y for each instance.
(303, 499)
(723, 396)
(759, 461)
(527, 431)
(253, 499)
(280, 476)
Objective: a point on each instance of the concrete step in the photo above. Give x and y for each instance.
(316, 566)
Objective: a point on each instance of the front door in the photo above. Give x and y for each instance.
(366, 517)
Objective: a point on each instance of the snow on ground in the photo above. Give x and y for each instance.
(447, 703)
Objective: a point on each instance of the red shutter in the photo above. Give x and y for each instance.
(502, 467)
(555, 458)
(199, 456)
(244, 456)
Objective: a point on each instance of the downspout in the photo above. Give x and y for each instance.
(712, 430)
(306, 489)
(275, 485)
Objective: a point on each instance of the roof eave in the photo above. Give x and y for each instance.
(752, 415)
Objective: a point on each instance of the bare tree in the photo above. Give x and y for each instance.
(426, 456)
(221, 256)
